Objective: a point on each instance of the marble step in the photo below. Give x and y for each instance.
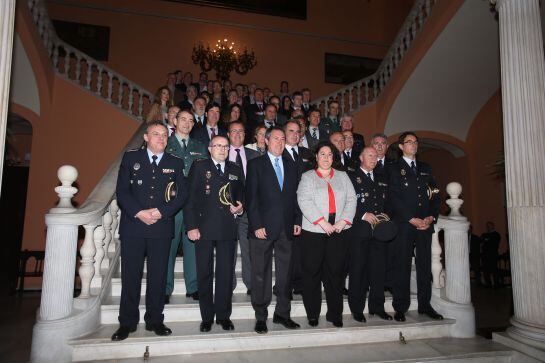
(179, 265)
(179, 284)
(187, 309)
(186, 338)
(452, 350)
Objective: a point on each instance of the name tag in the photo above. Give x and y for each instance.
(194, 153)
(233, 177)
(168, 171)
(421, 173)
(382, 184)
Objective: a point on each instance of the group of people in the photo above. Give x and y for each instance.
(307, 193)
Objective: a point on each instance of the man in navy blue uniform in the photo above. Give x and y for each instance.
(151, 188)
(210, 221)
(414, 211)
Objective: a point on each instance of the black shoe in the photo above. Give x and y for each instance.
(345, 291)
(159, 329)
(399, 316)
(261, 327)
(122, 333)
(286, 322)
(249, 292)
(382, 315)
(167, 299)
(359, 317)
(297, 292)
(312, 322)
(226, 324)
(205, 326)
(193, 295)
(336, 323)
(431, 313)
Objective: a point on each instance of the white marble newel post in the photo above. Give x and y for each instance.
(523, 97)
(7, 17)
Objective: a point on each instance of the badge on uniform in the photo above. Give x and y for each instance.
(171, 191)
(208, 174)
(382, 184)
(403, 172)
(406, 184)
(139, 182)
(358, 180)
(136, 166)
(207, 191)
(168, 171)
(366, 195)
(422, 173)
(350, 169)
(194, 153)
(233, 177)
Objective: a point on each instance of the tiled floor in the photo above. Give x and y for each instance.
(493, 308)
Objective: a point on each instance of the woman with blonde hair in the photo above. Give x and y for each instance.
(161, 102)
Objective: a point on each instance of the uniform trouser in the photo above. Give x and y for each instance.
(261, 254)
(133, 252)
(323, 258)
(296, 267)
(367, 270)
(244, 251)
(390, 265)
(407, 238)
(215, 301)
(188, 247)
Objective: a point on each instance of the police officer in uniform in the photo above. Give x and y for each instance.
(151, 189)
(211, 223)
(367, 265)
(414, 211)
(181, 144)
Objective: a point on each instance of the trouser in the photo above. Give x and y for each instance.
(215, 302)
(244, 251)
(323, 259)
(390, 265)
(133, 252)
(261, 254)
(407, 238)
(188, 247)
(296, 268)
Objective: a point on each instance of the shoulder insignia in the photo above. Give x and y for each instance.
(131, 150)
(176, 156)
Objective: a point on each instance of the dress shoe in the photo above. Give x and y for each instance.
(193, 295)
(226, 324)
(382, 315)
(249, 292)
(399, 316)
(122, 333)
(336, 323)
(205, 326)
(359, 317)
(159, 329)
(286, 322)
(312, 322)
(431, 313)
(167, 299)
(261, 327)
(345, 291)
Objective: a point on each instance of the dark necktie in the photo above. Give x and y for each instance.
(370, 176)
(346, 157)
(238, 159)
(379, 164)
(173, 129)
(413, 167)
(154, 162)
(260, 106)
(219, 169)
(184, 144)
(295, 154)
(212, 132)
(314, 133)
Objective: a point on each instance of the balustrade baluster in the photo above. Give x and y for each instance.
(110, 85)
(89, 74)
(56, 57)
(140, 106)
(114, 211)
(131, 99)
(350, 101)
(342, 103)
(436, 265)
(99, 80)
(99, 240)
(86, 269)
(78, 68)
(120, 94)
(358, 93)
(107, 223)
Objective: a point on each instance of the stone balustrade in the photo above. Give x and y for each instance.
(367, 90)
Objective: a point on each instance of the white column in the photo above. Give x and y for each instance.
(7, 17)
(523, 97)
(458, 285)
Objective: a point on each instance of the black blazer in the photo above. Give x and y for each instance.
(267, 206)
(304, 158)
(359, 143)
(204, 209)
(139, 188)
(408, 197)
(201, 134)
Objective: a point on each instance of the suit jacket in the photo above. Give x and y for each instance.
(323, 135)
(194, 150)
(204, 209)
(408, 197)
(384, 168)
(250, 154)
(253, 112)
(329, 125)
(198, 124)
(139, 188)
(304, 158)
(268, 206)
(359, 143)
(201, 134)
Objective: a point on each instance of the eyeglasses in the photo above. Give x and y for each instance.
(157, 134)
(218, 146)
(411, 142)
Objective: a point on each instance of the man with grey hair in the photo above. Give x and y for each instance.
(347, 124)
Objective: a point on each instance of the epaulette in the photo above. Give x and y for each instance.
(131, 150)
(176, 156)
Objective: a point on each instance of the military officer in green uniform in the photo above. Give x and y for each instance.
(180, 144)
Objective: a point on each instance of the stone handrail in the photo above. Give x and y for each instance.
(367, 90)
(88, 72)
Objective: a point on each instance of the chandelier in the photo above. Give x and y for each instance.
(223, 58)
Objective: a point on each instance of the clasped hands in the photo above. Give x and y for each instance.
(261, 233)
(421, 224)
(149, 216)
(195, 234)
(329, 229)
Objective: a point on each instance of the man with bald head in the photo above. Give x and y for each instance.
(367, 255)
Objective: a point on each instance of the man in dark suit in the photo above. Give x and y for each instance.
(256, 109)
(306, 107)
(150, 189)
(199, 113)
(367, 261)
(240, 155)
(211, 128)
(189, 149)
(331, 122)
(210, 222)
(315, 132)
(344, 162)
(274, 219)
(350, 153)
(347, 124)
(414, 213)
